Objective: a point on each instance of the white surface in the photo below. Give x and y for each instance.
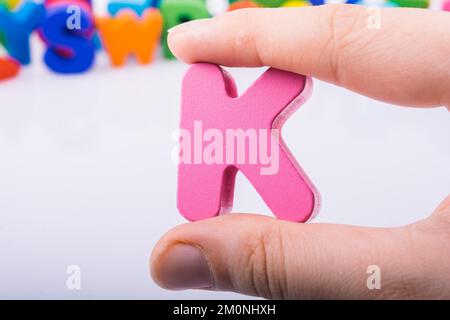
(86, 176)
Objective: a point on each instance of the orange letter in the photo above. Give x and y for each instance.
(128, 34)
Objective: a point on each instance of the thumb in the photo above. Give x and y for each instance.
(261, 256)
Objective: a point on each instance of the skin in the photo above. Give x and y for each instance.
(405, 62)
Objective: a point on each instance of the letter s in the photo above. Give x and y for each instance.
(69, 51)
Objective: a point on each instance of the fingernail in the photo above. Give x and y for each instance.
(188, 26)
(184, 267)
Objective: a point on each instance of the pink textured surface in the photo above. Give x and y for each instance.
(209, 95)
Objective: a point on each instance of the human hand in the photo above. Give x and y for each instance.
(404, 62)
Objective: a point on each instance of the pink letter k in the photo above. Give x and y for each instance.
(209, 98)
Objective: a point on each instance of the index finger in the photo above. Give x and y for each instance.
(395, 55)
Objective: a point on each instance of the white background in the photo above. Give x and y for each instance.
(86, 176)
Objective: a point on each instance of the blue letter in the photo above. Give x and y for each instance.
(69, 51)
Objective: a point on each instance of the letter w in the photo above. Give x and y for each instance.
(128, 34)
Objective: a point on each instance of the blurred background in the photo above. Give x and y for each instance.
(87, 177)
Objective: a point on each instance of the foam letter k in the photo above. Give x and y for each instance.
(233, 125)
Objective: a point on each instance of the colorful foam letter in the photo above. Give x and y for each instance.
(8, 68)
(412, 3)
(382, 3)
(175, 12)
(9, 4)
(321, 2)
(243, 4)
(270, 3)
(128, 34)
(16, 27)
(446, 6)
(70, 50)
(138, 6)
(85, 4)
(296, 3)
(260, 3)
(221, 133)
